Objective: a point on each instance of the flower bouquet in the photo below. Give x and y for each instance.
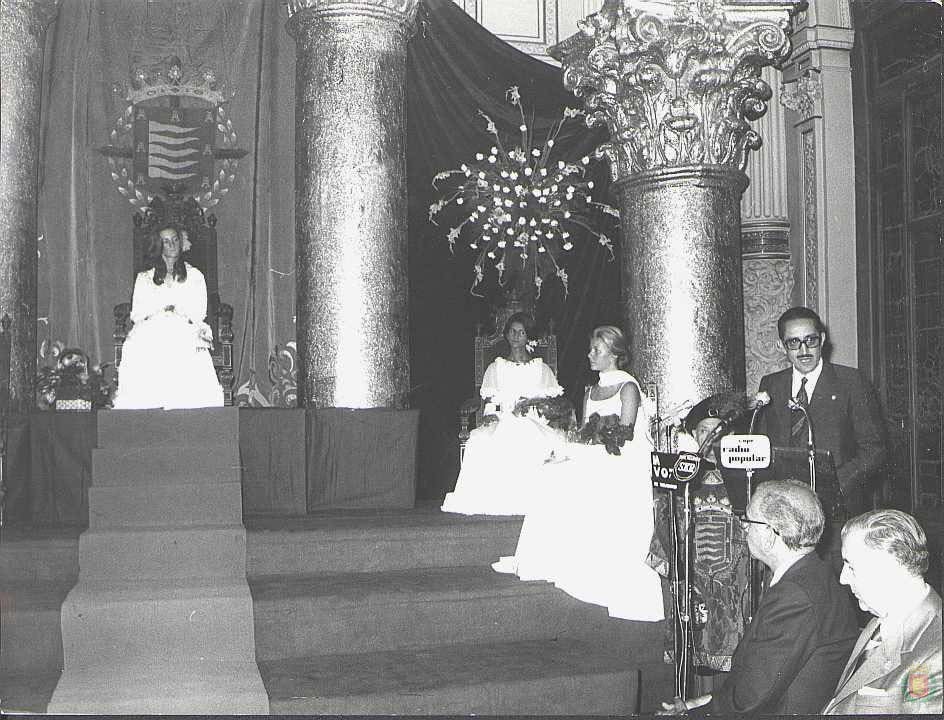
(558, 412)
(605, 431)
(71, 383)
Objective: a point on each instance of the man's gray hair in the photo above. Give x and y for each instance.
(793, 510)
(893, 532)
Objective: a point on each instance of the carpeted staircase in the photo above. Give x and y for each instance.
(377, 612)
(160, 620)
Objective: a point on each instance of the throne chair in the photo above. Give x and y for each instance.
(184, 212)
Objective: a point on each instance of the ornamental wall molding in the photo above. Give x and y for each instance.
(768, 287)
(676, 83)
(402, 12)
(810, 224)
(804, 95)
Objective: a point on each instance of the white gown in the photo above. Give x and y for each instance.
(504, 460)
(590, 527)
(164, 363)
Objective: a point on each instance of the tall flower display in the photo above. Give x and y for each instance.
(521, 206)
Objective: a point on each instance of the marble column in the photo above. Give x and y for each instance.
(676, 83)
(22, 31)
(350, 201)
(765, 237)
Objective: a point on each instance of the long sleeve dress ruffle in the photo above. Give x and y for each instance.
(503, 460)
(165, 362)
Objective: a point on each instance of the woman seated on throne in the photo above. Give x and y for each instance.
(590, 524)
(165, 360)
(504, 458)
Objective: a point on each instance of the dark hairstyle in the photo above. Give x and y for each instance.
(154, 259)
(799, 313)
(616, 341)
(519, 317)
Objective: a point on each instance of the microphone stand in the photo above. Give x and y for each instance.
(810, 444)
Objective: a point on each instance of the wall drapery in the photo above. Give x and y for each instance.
(455, 68)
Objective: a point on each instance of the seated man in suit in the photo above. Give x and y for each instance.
(895, 667)
(790, 656)
(841, 405)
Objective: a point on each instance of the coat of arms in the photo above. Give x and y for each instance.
(174, 134)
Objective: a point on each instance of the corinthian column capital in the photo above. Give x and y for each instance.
(676, 81)
(403, 12)
(30, 15)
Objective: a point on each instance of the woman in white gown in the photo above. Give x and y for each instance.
(165, 361)
(590, 526)
(503, 459)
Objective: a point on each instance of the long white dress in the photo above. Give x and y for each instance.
(164, 361)
(503, 460)
(591, 524)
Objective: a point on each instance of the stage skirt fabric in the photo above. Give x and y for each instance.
(503, 466)
(163, 366)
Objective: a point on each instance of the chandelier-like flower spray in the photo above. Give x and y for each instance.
(521, 206)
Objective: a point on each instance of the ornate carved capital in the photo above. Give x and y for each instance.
(402, 12)
(804, 96)
(30, 15)
(676, 81)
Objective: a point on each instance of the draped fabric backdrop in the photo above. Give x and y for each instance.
(456, 68)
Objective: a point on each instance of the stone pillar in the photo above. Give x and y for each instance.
(817, 91)
(22, 30)
(350, 201)
(676, 83)
(765, 236)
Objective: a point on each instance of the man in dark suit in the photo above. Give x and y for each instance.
(840, 402)
(793, 651)
(895, 667)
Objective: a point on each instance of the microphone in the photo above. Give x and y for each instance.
(810, 445)
(760, 401)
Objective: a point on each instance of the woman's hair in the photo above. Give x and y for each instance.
(793, 510)
(895, 533)
(518, 317)
(616, 341)
(154, 258)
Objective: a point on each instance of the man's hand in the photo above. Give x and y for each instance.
(680, 707)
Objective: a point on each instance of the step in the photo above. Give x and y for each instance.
(189, 552)
(30, 630)
(33, 555)
(205, 464)
(357, 612)
(27, 692)
(375, 541)
(144, 506)
(172, 688)
(149, 428)
(135, 623)
(543, 677)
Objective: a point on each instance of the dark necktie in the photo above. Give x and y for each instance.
(798, 432)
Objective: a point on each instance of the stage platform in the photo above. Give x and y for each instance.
(293, 461)
(373, 612)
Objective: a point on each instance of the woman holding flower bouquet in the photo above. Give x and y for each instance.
(590, 526)
(165, 360)
(504, 458)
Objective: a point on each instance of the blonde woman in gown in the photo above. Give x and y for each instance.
(165, 361)
(591, 522)
(503, 459)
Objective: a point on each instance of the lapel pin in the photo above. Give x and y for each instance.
(833, 397)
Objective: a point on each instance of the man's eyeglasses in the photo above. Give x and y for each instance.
(811, 341)
(746, 521)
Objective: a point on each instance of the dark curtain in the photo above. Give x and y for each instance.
(456, 68)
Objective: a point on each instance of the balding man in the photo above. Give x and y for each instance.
(895, 667)
(790, 656)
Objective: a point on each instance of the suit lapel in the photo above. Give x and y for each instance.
(825, 387)
(784, 382)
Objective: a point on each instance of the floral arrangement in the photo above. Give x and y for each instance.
(69, 377)
(606, 431)
(558, 412)
(521, 205)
